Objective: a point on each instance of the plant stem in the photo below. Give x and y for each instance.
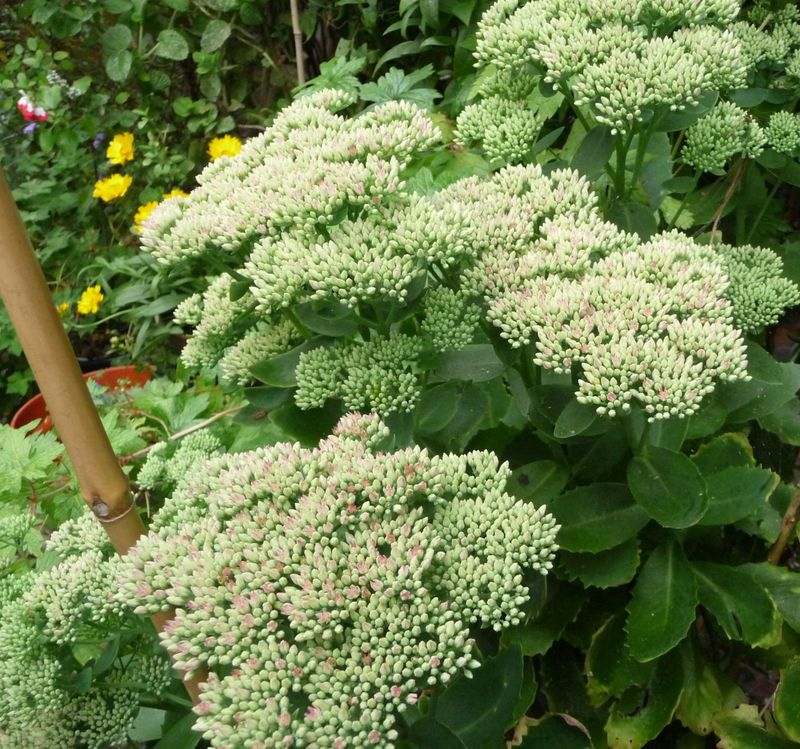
(788, 524)
(763, 210)
(736, 180)
(125, 459)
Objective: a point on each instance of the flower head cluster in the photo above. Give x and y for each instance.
(225, 145)
(167, 464)
(41, 611)
(620, 57)
(31, 112)
(718, 136)
(112, 187)
(759, 291)
(90, 300)
(783, 132)
(323, 589)
(506, 129)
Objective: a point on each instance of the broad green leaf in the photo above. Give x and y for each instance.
(428, 733)
(748, 97)
(637, 720)
(430, 12)
(307, 427)
(116, 39)
(180, 735)
(736, 492)
(476, 362)
(215, 34)
(279, 371)
(267, 398)
(597, 517)
(148, 725)
(668, 486)
(539, 481)
(594, 152)
(527, 693)
(172, 45)
(328, 319)
(560, 609)
(725, 451)
(118, 65)
(478, 710)
(689, 115)
(473, 405)
(610, 668)
(739, 733)
(787, 701)
(575, 419)
(662, 607)
(634, 217)
(785, 422)
(738, 602)
(554, 732)
(603, 569)
(437, 406)
(706, 692)
(783, 587)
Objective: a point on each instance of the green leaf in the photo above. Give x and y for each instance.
(787, 701)
(637, 720)
(562, 605)
(399, 50)
(783, 587)
(784, 422)
(539, 481)
(594, 152)
(663, 603)
(267, 398)
(610, 668)
(668, 486)
(634, 217)
(279, 371)
(725, 451)
(172, 45)
(106, 658)
(148, 725)
(738, 733)
(554, 732)
(437, 406)
(596, 517)
(118, 66)
(603, 569)
(736, 492)
(430, 12)
(25, 457)
(116, 39)
(748, 97)
(547, 140)
(478, 709)
(687, 116)
(328, 319)
(428, 733)
(307, 427)
(473, 406)
(180, 735)
(476, 362)
(215, 34)
(575, 419)
(740, 605)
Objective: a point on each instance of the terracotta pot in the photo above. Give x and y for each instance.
(113, 378)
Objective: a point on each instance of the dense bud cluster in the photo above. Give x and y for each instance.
(759, 291)
(783, 132)
(40, 613)
(621, 57)
(324, 588)
(167, 463)
(718, 136)
(506, 129)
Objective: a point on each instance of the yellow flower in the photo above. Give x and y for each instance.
(90, 300)
(62, 308)
(142, 214)
(227, 145)
(112, 187)
(120, 149)
(175, 192)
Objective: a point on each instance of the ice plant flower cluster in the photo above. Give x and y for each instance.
(323, 589)
(42, 613)
(506, 129)
(167, 463)
(143, 211)
(727, 130)
(621, 58)
(783, 132)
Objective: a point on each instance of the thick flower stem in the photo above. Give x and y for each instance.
(790, 519)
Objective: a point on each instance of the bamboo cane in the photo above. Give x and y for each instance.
(24, 292)
(297, 32)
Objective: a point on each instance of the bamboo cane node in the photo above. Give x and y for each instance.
(101, 510)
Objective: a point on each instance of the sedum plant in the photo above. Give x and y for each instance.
(325, 588)
(474, 306)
